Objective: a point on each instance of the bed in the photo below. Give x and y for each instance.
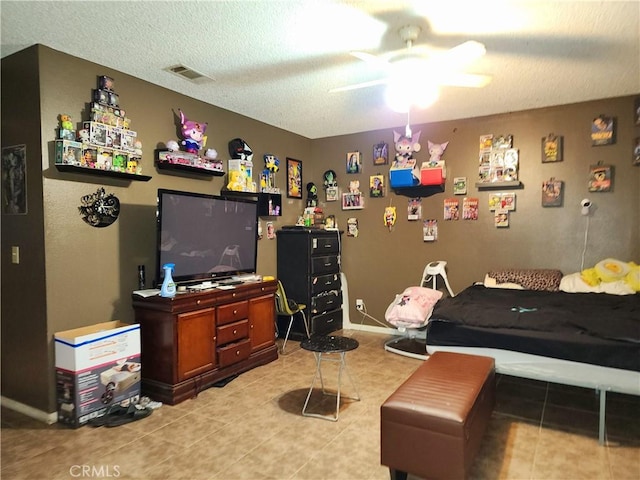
(589, 340)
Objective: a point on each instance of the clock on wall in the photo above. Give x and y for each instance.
(100, 209)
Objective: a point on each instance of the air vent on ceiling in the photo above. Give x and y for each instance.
(189, 74)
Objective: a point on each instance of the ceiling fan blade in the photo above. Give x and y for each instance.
(462, 54)
(356, 86)
(370, 58)
(471, 80)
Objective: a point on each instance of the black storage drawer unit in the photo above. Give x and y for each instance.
(309, 269)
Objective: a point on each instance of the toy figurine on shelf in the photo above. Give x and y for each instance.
(66, 131)
(193, 134)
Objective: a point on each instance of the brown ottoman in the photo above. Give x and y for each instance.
(432, 425)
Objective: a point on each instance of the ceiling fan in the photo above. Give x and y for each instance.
(419, 63)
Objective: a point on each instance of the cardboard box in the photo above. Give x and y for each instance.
(403, 175)
(96, 367)
(433, 175)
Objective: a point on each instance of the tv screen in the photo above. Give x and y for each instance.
(205, 236)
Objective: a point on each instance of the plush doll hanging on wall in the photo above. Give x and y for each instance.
(406, 146)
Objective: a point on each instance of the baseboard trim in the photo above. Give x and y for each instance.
(372, 329)
(39, 415)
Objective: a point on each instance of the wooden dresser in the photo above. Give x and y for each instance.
(196, 339)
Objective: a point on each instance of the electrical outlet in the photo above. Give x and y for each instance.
(359, 304)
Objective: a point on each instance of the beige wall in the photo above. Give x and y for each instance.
(90, 272)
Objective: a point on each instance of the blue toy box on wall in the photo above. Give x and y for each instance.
(404, 174)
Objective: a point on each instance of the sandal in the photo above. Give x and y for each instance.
(131, 414)
(112, 411)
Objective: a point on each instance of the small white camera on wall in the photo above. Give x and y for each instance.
(586, 206)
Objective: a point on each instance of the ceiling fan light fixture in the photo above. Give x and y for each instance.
(401, 96)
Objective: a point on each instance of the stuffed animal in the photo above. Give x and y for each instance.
(173, 146)
(436, 150)
(65, 122)
(406, 146)
(611, 270)
(192, 133)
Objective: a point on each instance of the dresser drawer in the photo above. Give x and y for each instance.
(324, 283)
(326, 323)
(233, 312)
(234, 352)
(324, 264)
(232, 332)
(323, 245)
(326, 301)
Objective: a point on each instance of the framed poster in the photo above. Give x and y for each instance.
(552, 193)
(352, 201)
(381, 154)
(551, 148)
(376, 186)
(14, 180)
(600, 178)
(354, 162)
(603, 131)
(294, 178)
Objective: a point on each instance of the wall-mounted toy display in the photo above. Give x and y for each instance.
(241, 167)
(460, 185)
(186, 154)
(502, 200)
(353, 200)
(451, 209)
(330, 183)
(498, 160)
(390, 217)
(105, 142)
(414, 209)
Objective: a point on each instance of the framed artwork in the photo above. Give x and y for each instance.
(354, 162)
(294, 178)
(14, 180)
(381, 154)
(414, 209)
(600, 178)
(636, 109)
(376, 186)
(501, 218)
(331, 194)
(430, 230)
(636, 152)
(552, 193)
(460, 185)
(352, 201)
(603, 131)
(551, 148)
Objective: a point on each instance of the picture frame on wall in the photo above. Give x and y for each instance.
(294, 178)
(14, 180)
(354, 162)
(376, 186)
(552, 148)
(636, 111)
(636, 152)
(600, 178)
(381, 153)
(552, 193)
(603, 131)
(352, 201)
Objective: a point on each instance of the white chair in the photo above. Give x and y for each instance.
(431, 272)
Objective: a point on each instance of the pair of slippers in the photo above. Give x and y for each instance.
(117, 415)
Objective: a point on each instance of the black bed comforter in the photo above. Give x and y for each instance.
(533, 319)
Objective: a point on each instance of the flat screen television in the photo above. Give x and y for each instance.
(206, 236)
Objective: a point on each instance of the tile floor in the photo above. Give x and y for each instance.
(253, 429)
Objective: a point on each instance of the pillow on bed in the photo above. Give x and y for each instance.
(574, 283)
(491, 283)
(413, 307)
(530, 279)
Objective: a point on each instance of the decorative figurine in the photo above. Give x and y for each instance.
(193, 134)
(435, 151)
(406, 146)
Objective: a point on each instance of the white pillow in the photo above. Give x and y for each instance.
(573, 283)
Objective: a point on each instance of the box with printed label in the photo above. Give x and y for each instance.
(433, 174)
(96, 367)
(403, 174)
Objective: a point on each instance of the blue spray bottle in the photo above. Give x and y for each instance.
(168, 288)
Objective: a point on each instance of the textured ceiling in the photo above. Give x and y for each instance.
(275, 61)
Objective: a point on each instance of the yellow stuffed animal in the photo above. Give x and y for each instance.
(612, 270)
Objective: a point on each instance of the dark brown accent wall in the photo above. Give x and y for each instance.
(73, 275)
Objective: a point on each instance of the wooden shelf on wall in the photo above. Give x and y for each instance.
(186, 168)
(419, 190)
(499, 185)
(101, 173)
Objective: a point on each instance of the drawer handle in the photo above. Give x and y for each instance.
(262, 289)
(237, 353)
(327, 264)
(233, 294)
(197, 302)
(235, 332)
(235, 312)
(330, 321)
